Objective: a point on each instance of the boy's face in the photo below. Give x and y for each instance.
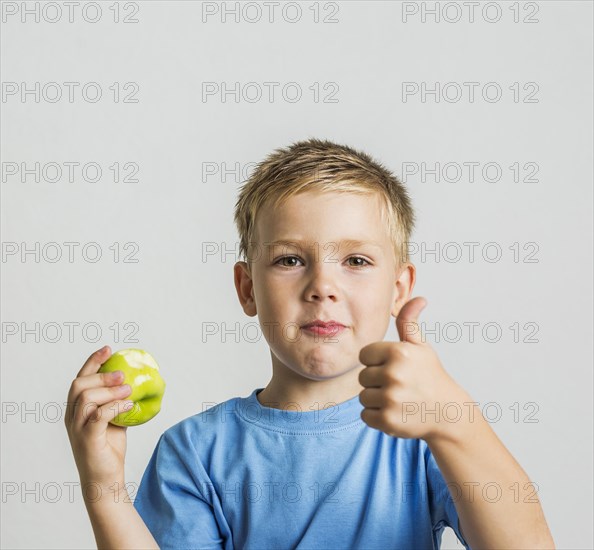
(357, 285)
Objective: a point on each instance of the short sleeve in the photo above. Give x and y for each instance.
(170, 501)
(442, 508)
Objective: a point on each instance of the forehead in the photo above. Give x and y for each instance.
(324, 215)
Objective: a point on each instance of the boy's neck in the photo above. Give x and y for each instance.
(305, 394)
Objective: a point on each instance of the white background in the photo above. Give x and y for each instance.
(174, 134)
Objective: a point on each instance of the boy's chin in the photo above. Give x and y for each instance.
(322, 372)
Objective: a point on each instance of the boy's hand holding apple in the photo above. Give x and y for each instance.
(94, 399)
(405, 383)
(97, 417)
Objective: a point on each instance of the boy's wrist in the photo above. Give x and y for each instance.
(98, 494)
(457, 428)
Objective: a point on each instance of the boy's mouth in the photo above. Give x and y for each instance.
(325, 328)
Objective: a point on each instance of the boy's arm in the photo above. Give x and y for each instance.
(99, 448)
(116, 523)
(405, 387)
(495, 500)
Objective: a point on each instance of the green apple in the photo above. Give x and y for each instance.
(141, 372)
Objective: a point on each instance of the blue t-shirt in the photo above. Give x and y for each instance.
(244, 475)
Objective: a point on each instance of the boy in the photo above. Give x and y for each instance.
(344, 448)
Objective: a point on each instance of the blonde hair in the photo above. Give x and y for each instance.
(321, 165)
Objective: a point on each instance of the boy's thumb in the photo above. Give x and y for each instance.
(406, 322)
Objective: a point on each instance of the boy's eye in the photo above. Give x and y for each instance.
(288, 258)
(359, 258)
(361, 262)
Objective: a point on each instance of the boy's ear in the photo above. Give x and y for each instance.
(405, 282)
(245, 288)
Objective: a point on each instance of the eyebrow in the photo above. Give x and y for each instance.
(345, 242)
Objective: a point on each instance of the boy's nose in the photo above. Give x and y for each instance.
(322, 284)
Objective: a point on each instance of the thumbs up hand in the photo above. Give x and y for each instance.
(406, 386)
